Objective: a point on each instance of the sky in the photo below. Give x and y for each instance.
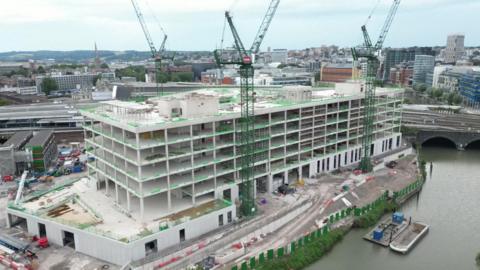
(198, 24)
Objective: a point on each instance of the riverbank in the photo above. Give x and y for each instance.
(368, 199)
(308, 253)
(314, 250)
(449, 194)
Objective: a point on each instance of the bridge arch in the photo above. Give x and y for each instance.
(447, 139)
(473, 143)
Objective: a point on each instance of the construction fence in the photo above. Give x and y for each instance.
(340, 215)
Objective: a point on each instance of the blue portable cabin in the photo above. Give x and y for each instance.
(397, 217)
(377, 234)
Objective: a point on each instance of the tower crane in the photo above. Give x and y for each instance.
(262, 30)
(247, 147)
(371, 52)
(157, 55)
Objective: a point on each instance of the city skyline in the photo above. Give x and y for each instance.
(194, 26)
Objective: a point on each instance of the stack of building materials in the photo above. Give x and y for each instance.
(44, 150)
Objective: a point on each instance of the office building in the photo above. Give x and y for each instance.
(423, 70)
(455, 49)
(469, 87)
(394, 57)
(73, 82)
(338, 72)
(279, 56)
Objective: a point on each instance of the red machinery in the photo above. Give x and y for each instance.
(43, 242)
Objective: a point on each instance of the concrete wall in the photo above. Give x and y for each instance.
(7, 161)
(117, 252)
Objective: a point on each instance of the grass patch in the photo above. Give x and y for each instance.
(373, 216)
(4, 102)
(307, 254)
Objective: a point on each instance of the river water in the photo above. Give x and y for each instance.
(449, 202)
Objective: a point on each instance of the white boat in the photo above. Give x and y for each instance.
(409, 237)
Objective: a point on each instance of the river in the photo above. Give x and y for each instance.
(449, 202)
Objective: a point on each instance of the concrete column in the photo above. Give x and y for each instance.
(128, 201)
(270, 183)
(167, 163)
(116, 194)
(141, 210)
(300, 175)
(285, 178)
(106, 185)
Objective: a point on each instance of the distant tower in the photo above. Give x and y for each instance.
(97, 59)
(455, 48)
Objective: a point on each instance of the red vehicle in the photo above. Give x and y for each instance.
(7, 178)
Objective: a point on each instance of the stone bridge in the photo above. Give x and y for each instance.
(461, 139)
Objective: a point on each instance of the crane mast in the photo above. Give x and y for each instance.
(246, 133)
(250, 149)
(370, 52)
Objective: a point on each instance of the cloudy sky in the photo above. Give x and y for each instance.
(198, 24)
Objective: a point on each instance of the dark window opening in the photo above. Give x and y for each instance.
(220, 220)
(182, 235)
(227, 194)
(42, 231)
(229, 217)
(68, 239)
(151, 247)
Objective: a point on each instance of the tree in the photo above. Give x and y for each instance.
(41, 70)
(95, 80)
(420, 87)
(104, 66)
(457, 100)
(49, 85)
(134, 71)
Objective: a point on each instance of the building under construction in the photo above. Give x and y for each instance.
(167, 170)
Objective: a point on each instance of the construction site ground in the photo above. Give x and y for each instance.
(319, 192)
(325, 188)
(54, 257)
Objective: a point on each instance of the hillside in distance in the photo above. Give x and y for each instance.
(88, 55)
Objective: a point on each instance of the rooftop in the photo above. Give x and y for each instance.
(77, 203)
(40, 138)
(18, 139)
(221, 102)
